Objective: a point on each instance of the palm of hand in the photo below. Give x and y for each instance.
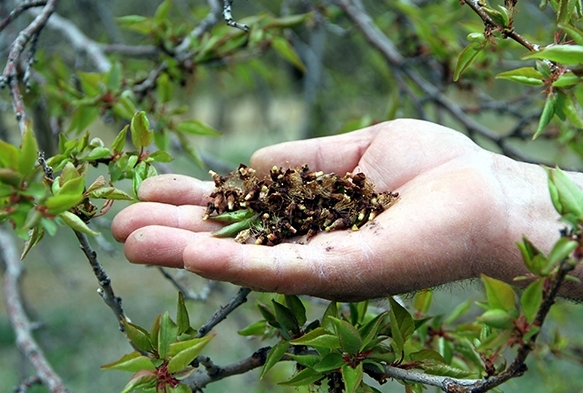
(427, 238)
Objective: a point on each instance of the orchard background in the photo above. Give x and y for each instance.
(110, 91)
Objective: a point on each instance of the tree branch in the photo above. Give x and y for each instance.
(19, 9)
(223, 312)
(105, 290)
(20, 323)
(229, 18)
(188, 294)
(385, 46)
(10, 74)
(79, 41)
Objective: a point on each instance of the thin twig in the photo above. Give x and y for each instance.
(223, 312)
(105, 290)
(20, 323)
(205, 25)
(9, 75)
(188, 294)
(79, 41)
(229, 17)
(19, 9)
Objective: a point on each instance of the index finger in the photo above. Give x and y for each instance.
(175, 190)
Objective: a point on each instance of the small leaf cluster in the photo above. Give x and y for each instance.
(557, 66)
(37, 195)
(164, 355)
(344, 345)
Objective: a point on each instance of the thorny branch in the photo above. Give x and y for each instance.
(22, 326)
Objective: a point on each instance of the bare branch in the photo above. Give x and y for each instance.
(223, 312)
(10, 73)
(78, 40)
(20, 8)
(188, 294)
(21, 324)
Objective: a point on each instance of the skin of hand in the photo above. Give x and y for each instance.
(461, 211)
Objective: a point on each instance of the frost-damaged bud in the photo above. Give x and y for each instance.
(292, 202)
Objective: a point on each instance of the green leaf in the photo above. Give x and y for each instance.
(160, 156)
(254, 329)
(525, 75)
(164, 88)
(568, 198)
(234, 216)
(402, 325)
(82, 117)
(305, 377)
(132, 362)
(297, 308)
(114, 77)
(166, 335)
(120, 140)
(9, 155)
(110, 193)
(422, 301)
(561, 250)
(138, 336)
(73, 221)
(162, 11)
(274, 356)
(287, 51)
(182, 319)
(142, 136)
(330, 362)
(97, 153)
(497, 318)
(155, 331)
(196, 127)
(568, 79)
(141, 381)
(286, 318)
(233, 229)
(499, 294)
(290, 20)
(318, 337)
(35, 235)
(467, 57)
(331, 311)
(73, 187)
(459, 310)
(184, 352)
(426, 355)
(60, 203)
(531, 299)
(547, 114)
(370, 330)
(348, 337)
(573, 31)
(28, 153)
(565, 54)
(352, 377)
(306, 360)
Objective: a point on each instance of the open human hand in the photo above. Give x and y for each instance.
(461, 211)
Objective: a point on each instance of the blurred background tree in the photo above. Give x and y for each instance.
(213, 94)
